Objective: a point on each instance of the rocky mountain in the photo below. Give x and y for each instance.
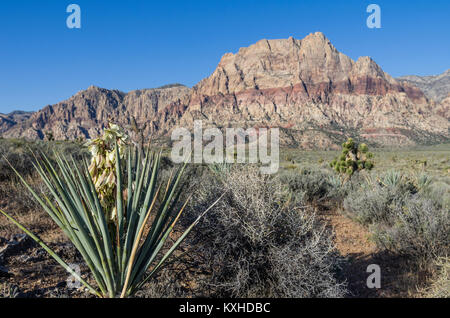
(315, 94)
(88, 112)
(444, 108)
(9, 120)
(435, 87)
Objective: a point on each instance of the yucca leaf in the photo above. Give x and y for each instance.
(154, 250)
(117, 251)
(177, 243)
(66, 226)
(136, 245)
(86, 246)
(119, 207)
(75, 219)
(52, 253)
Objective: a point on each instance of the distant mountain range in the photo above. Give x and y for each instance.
(435, 87)
(315, 94)
(7, 121)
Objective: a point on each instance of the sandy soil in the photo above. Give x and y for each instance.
(398, 279)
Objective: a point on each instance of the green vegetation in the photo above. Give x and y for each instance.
(354, 158)
(404, 201)
(116, 247)
(312, 185)
(267, 236)
(407, 160)
(405, 214)
(19, 152)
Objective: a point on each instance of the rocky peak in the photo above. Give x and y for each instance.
(9, 120)
(93, 88)
(287, 62)
(435, 87)
(366, 66)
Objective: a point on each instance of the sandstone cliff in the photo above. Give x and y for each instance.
(315, 94)
(88, 112)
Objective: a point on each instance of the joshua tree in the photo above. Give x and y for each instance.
(354, 158)
(49, 136)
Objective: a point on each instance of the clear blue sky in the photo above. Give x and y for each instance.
(135, 44)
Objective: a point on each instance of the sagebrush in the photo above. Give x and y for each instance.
(259, 242)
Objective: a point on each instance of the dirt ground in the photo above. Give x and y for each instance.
(398, 278)
(30, 268)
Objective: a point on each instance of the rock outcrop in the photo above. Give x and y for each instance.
(315, 94)
(435, 87)
(87, 113)
(443, 109)
(7, 121)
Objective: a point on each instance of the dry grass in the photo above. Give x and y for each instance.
(440, 282)
(434, 160)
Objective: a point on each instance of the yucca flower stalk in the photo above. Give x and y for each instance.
(103, 165)
(124, 251)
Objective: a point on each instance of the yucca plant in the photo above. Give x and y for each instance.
(392, 178)
(423, 181)
(122, 246)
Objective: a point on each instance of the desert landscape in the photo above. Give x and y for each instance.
(92, 204)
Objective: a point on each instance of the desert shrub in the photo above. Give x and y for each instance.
(440, 284)
(439, 191)
(257, 243)
(371, 204)
(421, 229)
(16, 153)
(312, 184)
(19, 153)
(376, 201)
(16, 193)
(406, 217)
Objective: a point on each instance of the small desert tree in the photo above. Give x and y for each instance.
(49, 136)
(353, 158)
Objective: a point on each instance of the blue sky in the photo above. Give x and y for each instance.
(136, 44)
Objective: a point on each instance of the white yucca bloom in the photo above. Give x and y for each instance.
(103, 165)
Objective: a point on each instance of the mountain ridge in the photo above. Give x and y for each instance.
(436, 87)
(317, 95)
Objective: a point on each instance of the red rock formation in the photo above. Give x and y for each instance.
(317, 95)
